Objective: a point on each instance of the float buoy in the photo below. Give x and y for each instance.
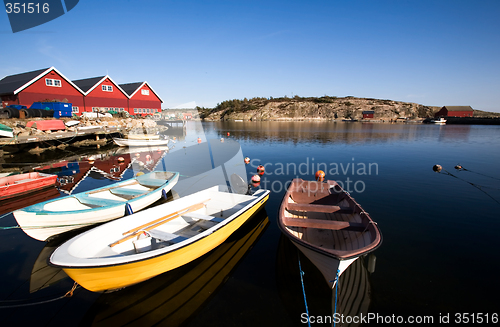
(139, 174)
(261, 170)
(222, 139)
(255, 180)
(247, 160)
(121, 159)
(199, 140)
(437, 168)
(91, 160)
(137, 155)
(458, 167)
(320, 175)
(228, 134)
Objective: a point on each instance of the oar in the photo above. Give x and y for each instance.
(155, 223)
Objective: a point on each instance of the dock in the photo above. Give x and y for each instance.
(83, 136)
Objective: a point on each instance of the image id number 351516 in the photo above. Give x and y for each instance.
(476, 318)
(27, 8)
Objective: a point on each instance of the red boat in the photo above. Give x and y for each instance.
(21, 184)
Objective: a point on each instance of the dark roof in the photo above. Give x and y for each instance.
(130, 88)
(459, 108)
(368, 112)
(12, 82)
(87, 83)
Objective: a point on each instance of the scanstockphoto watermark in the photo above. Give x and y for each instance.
(349, 175)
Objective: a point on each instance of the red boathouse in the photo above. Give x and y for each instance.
(42, 85)
(143, 99)
(455, 111)
(102, 94)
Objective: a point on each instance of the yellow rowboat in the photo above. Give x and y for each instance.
(138, 247)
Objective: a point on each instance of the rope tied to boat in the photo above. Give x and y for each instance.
(67, 295)
(304, 293)
(336, 288)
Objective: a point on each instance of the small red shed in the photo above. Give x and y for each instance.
(143, 100)
(455, 111)
(368, 114)
(40, 86)
(102, 94)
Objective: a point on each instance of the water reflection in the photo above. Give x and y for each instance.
(353, 293)
(329, 132)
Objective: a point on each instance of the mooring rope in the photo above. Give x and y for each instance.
(459, 167)
(304, 293)
(67, 295)
(479, 187)
(336, 287)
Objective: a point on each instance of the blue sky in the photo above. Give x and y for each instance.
(430, 52)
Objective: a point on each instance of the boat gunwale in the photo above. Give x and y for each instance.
(190, 241)
(37, 209)
(337, 254)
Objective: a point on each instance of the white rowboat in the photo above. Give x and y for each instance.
(132, 142)
(49, 218)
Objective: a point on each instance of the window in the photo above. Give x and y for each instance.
(144, 92)
(53, 82)
(135, 110)
(74, 109)
(107, 88)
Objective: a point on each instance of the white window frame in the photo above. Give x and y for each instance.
(53, 82)
(144, 92)
(107, 88)
(135, 110)
(75, 110)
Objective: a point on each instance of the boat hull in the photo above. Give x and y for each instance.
(111, 277)
(43, 224)
(327, 265)
(327, 225)
(18, 185)
(133, 142)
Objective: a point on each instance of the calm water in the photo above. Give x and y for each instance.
(439, 253)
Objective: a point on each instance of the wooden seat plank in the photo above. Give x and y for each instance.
(318, 208)
(322, 224)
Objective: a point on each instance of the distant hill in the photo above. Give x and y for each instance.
(326, 107)
(487, 114)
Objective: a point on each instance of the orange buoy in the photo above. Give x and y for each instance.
(247, 160)
(199, 140)
(228, 134)
(320, 175)
(255, 180)
(458, 167)
(437, 168)
(261, 168)
(91, 160)
(137, 155)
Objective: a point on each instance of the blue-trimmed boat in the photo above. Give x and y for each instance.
(49, 218)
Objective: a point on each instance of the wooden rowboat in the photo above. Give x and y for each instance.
(133, 142)
(17, 185)
(49, 218)
(143, 245)
(327, 225)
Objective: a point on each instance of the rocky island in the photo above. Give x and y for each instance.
(316, 108)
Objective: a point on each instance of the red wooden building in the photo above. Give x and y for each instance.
(143, 99)
(86, 95)
(455, 111)
(368, 113)
(40, 86)
(102, 94)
